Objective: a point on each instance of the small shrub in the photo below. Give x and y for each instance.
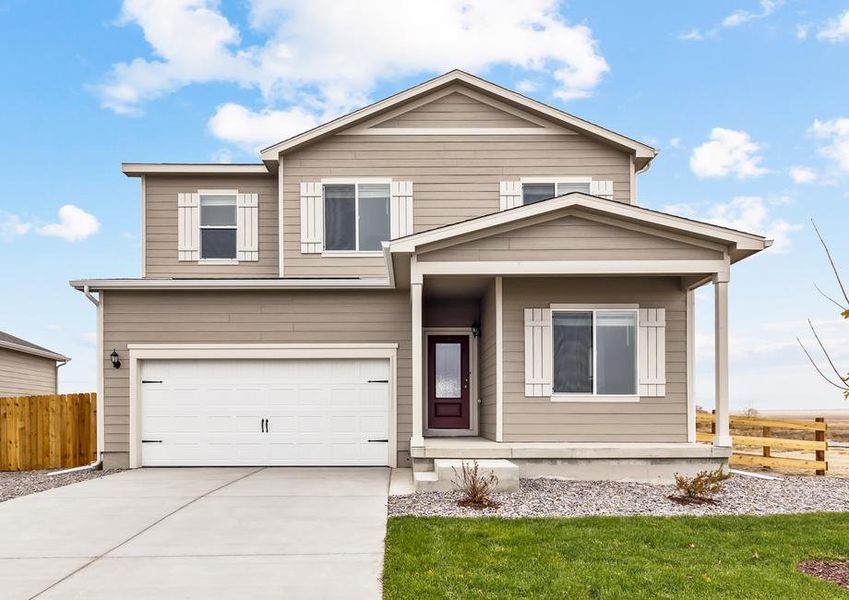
(700, 488)
(477, 487)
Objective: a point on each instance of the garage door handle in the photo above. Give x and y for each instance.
(378, 381)
(150, 381)
(151, 441)
(378, 441)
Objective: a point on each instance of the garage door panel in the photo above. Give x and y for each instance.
(319, 412)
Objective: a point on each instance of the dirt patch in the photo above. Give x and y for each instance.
(685, 500)
(22, 483)
(835, 571)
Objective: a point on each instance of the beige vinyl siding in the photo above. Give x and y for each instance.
(250, 317)
(662, 419)
(570, 238)
(24, 374)
(486, 362)
(161, 225)
(454, 178)
(456, 110)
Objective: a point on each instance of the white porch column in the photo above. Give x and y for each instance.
(723, 422)
(417, 439)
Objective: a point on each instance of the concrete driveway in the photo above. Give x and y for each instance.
(199, 533)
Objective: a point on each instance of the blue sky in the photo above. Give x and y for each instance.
(764, 83)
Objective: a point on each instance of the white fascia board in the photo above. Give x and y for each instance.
(741, 240)
(230, 284)
(34, 351)
(574, 267)
(639, 149)
(139, 169)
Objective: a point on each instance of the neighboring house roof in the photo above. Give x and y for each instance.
(643, 153)
(741, 244)
(11, 342)
(140, 169)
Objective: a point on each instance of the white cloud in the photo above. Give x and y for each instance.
(675, 142)
(802, 31)
(694, 35)
(253, 130)
(802, 174)
(751, 214)
(12, 225)
(329, 55)
(835, 29)
(74, 224)
(836, 133)
(727, 152)
(739, 17)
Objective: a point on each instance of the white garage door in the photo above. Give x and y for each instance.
(265, 412)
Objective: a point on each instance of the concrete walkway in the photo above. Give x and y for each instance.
(199, 533)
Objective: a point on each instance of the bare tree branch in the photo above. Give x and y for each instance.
(824, 351)
(831, 262)
(829, 298)
(837, 385)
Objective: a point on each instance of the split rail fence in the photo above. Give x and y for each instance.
(769, 440)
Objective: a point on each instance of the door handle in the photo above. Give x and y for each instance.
(266, 426)
(262, 425)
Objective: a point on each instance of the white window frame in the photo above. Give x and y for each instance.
(555, 181)
(217, 261)
(355, 181)
(595, 396)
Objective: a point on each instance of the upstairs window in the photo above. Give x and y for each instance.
(356, 216)
(542, 190)
(594, 352)
(218, 226)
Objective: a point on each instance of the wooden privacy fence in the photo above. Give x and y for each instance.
(47, 432)
(767, 441)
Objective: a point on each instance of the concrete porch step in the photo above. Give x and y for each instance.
(441, 479)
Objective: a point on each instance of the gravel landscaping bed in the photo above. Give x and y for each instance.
(21, 483)
(555, 498)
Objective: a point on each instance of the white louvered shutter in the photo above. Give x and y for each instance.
(188, 226)
(312, 218)
(401, 209)
(603, 189)
(510, 194)
(652, 352)
(247, 222)
(537, 352)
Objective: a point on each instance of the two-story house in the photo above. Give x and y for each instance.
(456, 271)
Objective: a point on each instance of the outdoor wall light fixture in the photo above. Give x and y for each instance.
(476, 329)
(115, 362)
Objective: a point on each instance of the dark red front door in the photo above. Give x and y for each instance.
(448, 381)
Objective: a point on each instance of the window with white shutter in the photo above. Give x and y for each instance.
(510, 194)
(247, 218)
(312, 218)
(537, 352)
(401, 209)
(602, 189)
(187, 227)
(652, 352)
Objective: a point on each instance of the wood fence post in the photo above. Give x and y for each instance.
(767, 449)
(820, 437)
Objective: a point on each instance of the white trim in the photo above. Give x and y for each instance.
(474, 404)
(721, 397)
(417, 437)
(573, 267)
(595, 396)
(354, 180)
(218, 261)
(556, 179)
(34, 351)
(643, 151)
(143, 187)
(139, 352)
(218, 192)
(412, 131)
(140, 169)
(632, 173)
(352, 253)
(231, 284)
(235, 227)
(691, 370)
(741, 240)
(499, 359)
(281, 209)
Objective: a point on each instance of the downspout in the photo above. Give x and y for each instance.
(101, 429)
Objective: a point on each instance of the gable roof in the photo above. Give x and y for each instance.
(741, 244)
(10, 342)
(643, 153)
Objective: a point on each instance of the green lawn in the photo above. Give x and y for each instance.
(612, 557)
